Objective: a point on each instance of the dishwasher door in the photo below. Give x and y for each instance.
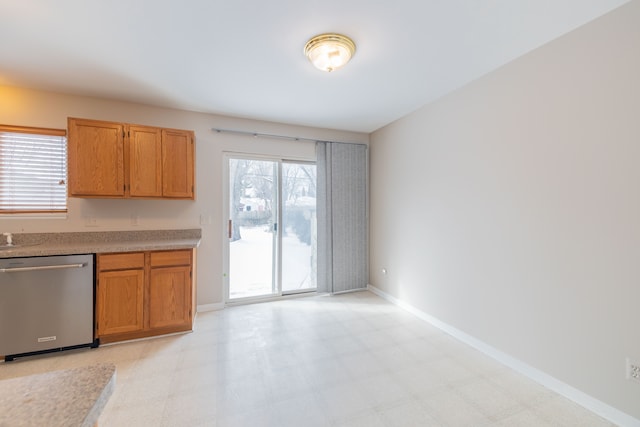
(46, 304)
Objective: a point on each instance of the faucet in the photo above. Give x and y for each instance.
(9, 237)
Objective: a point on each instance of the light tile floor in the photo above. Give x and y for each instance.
(348, 360)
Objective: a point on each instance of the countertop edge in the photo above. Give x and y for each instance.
(93, 416)
(108, 244)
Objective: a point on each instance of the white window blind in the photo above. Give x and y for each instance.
(33, 170)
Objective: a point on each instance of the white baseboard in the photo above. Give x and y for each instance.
(209, 307)
(592, 404)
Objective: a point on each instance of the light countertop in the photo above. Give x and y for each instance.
(67, 398)
(43, 244)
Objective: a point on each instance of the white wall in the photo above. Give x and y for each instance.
(510, 209)
(25, 107)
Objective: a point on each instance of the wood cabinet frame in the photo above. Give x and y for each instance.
(121, 160)
(167, 292)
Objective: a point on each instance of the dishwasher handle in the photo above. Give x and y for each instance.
(41, 267)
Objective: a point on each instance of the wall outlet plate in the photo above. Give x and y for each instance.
(633, 370)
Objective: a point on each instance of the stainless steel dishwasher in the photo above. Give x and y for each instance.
(46, 304)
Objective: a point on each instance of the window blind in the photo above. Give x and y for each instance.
(33, 170)
(342, 217)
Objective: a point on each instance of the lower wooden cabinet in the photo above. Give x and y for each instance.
(141, 294)
(121, 296)
(170, 289)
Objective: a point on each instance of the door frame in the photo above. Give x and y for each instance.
(277, 274)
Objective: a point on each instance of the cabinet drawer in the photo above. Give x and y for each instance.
(170, 258)
(123, 261)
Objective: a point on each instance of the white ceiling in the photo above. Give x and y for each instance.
(244, 57)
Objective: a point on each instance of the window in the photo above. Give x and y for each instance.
(33, 170)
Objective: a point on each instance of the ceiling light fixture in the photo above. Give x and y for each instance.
(328, 52)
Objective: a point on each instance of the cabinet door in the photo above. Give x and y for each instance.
(177, 164)
(145, 161)
(170, 297)
(120, 301)
(95, 158)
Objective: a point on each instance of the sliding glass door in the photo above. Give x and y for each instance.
(263, 258)
(252, 224)
(299, 252)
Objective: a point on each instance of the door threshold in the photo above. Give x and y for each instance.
(270, 298)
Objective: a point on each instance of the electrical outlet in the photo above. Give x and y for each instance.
(91, 221)
(135, 219)
(633, 371)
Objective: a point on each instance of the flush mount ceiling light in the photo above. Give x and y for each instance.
(328, 52)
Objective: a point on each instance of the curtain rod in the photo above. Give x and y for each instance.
(270, 135)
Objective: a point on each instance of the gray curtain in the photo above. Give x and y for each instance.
(342, 217)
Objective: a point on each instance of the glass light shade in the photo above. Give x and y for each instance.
(328, 52)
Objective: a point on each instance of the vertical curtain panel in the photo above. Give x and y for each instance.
(342, 217)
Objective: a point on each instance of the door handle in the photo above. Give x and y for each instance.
(230, 228)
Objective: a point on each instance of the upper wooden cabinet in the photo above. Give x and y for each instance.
(120, 160)
(177, 164)
(144, 149)
(96, 158)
